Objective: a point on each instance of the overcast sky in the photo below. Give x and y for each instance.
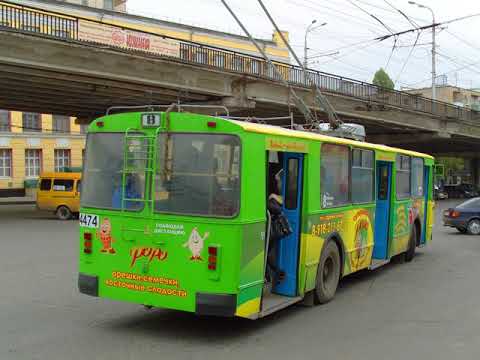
(349, 32)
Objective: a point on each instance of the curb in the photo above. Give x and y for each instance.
(17, 203)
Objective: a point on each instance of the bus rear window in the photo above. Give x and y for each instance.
(198, 174)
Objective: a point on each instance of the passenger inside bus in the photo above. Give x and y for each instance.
(131, 192)
(279, 227)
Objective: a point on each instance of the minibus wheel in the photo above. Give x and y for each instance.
(63, 213)
(328, 273)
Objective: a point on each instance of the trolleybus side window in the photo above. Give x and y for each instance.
(403, 177)
(334, 174)
(198, 174)
(363, 175)
(417, 177)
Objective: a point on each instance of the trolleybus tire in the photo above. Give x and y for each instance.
(412, 245)
(328, 274)
(63, 213)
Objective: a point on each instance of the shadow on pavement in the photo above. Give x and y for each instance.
(194, 329)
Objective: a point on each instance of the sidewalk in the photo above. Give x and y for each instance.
(26, 200)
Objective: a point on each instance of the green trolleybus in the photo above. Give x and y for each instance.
(174, 212)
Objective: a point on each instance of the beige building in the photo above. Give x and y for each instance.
(114, 5)
(33, 143)
(468, 98)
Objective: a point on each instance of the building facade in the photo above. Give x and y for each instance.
(113, 5)
(468, 98)
(33, 143)
(113, 12)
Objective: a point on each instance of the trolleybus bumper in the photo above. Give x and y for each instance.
(216, 304)
(88, 284)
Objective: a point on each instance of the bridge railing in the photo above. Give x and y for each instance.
(73, 28)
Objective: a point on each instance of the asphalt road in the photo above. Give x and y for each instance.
(427, 309)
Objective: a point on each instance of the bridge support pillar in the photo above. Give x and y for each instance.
(475, 169)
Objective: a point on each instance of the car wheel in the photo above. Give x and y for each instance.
(412, 245)
(63, 213)
(462, 230)
(473, 227)
(328, 274)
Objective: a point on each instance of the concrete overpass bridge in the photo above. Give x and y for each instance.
(57, 63)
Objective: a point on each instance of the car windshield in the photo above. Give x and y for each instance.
(470, 204)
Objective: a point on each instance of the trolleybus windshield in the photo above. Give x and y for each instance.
(198, 174)
(103, 171)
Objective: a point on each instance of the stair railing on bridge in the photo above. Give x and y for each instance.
(66, 27)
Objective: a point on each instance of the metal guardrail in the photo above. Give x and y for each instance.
(65, 27)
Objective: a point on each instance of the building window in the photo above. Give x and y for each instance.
(33, 161)
(403, 177)
(31, 122)
(62, 159)
(5, 120)
(363, 175)
(5, 162)
(61, 124)
(334, 175)
(108, 4)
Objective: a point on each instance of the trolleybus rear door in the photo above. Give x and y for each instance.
(426, 187)
(382, 212)
(288, 247)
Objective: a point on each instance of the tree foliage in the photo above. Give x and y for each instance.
(382, 79)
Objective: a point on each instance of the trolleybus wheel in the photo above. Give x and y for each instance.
(328, 274)
(412, 244)
(63, 213)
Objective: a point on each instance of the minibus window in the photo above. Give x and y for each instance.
(198, 174)
(45, 184)
(62, 185)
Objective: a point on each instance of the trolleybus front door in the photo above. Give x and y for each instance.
(288, 247)
(382, 212)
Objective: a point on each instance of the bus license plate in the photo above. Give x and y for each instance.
(87, 220)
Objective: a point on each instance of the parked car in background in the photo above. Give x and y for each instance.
(464, 217)
(59, 192)
(461, 191)
(439, 193)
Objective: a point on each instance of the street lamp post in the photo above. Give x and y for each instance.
(434, 63)
(310, 28)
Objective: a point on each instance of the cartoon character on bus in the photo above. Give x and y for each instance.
(195, 243)
(105, 236)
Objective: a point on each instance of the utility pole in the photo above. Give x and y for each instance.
(434, 47)
(321, 99)
(302, 107)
